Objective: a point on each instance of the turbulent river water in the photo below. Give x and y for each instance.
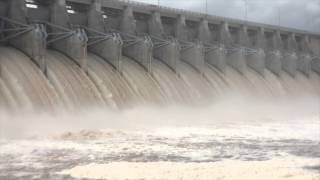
(102, 124)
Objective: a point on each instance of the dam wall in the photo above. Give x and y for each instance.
(146, 33)
(142, 32)
(143, 47)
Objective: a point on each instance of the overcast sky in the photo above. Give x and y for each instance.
(300, 14)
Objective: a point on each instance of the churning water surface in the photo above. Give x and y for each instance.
(68, 123)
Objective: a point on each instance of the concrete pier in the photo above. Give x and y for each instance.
(237, 51)
(256, 56)
(30, 39)
(72, 42)
(192, 52)
(166, 49)
(135, 47)
(304, 55)
(289, 60)
(274, 55)
(106, 45)
(215, 52)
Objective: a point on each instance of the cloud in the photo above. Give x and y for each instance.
(300, 14)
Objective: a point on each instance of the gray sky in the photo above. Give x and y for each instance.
(300, 14)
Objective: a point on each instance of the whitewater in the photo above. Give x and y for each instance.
(104, 124)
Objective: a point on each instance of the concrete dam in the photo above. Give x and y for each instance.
(119, 54)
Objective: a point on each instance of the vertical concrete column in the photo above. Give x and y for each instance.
(217, 56)
(74, 45)
(276, 42)
(291, 43)
(261, 42)
(109, 46)
(289, 60)
(59, 15)
(155, 25)
(274, 56)
(305, 44)
(18, 11)
(204, 33)
(181, 28)
(165, 49)
(224, 36)
(237, 54)
(315, 49)
(214, 54)
(95, 17)
(128, 23)
(33, 41)
(256, 58)
(242, 36)
(138, 48)
(304, 58)
(192, 53)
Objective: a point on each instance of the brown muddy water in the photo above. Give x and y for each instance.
(102, 124)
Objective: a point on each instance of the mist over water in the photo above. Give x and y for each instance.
(68, 117)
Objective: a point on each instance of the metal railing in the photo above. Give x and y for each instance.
(211, 17)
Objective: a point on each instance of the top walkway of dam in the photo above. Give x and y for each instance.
(191, 15)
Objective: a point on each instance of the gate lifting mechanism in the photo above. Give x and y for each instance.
(129, 41)
(12, 28)
(214, 47)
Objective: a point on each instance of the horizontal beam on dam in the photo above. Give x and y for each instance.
(141, 32)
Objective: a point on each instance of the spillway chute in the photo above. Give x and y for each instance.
(175, 89)
(71, 82)
(113, 87)
(142, 83)
(26, 81)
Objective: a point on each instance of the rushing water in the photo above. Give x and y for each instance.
(54, 124)
(23, 83)
(71, 83)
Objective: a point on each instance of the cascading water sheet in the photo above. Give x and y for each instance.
(113, 87)
(201, 90)
(71, 82)
(174, 87)
(7, 101)
(27, 84)
(142, 83)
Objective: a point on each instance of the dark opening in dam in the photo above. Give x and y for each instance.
(69, 65)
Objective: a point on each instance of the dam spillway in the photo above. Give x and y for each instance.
(74, 54)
